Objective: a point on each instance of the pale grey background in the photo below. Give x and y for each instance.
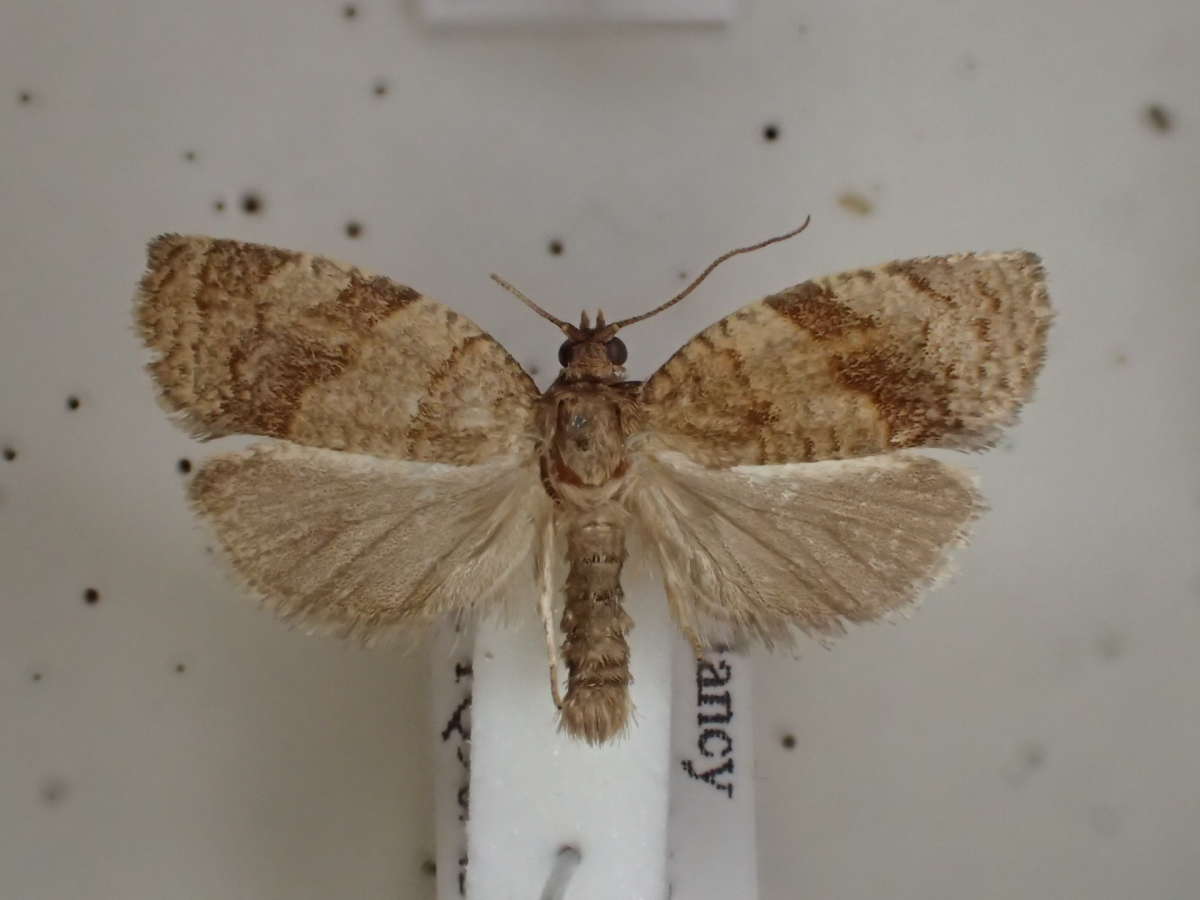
(1032, 732)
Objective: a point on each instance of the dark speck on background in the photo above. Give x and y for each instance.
(354, 229)
(770, 132)
(1033, 755)
(1158, 118)
(1029, 757)
(52, 791)
(25, 97)
(252, 203)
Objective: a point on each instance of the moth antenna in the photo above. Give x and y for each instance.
(584, 323)
(565, 327)
(712, 265)
(599, 319)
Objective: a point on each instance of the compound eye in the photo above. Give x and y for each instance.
(617, 354)
(564, 353)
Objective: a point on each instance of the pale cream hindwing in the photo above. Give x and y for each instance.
(256, 340)
(367, 547)
(762, 550)
(933, 352)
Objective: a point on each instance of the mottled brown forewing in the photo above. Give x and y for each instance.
(256, 340)
(932, 352)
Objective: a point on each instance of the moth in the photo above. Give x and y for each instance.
(417, 472)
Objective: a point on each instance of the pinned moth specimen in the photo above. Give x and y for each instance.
(417, 472)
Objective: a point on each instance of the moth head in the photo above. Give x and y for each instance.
(592, 352)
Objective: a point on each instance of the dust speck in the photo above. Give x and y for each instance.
(184, 466)
(428, 867)
(771, 132)
(1111, 645)
(555, 247)
(252, 203)
(380, 88)
(855, 203)
(52, 791)
(72, 403)
(25, 97)
(788, 742)
(354, 229)
(91, 596)
(9, 454)
(349, 11)
(1158, 118)
(219, 205)
(1033, 755)
(189, 155)
(1029, 758)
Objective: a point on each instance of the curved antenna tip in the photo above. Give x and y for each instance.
(712, 265)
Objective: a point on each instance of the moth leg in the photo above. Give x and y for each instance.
(546, 606)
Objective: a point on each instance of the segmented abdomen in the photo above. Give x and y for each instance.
(594, 623)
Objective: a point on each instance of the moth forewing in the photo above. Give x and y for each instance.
(250, 339)
(932, 352)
